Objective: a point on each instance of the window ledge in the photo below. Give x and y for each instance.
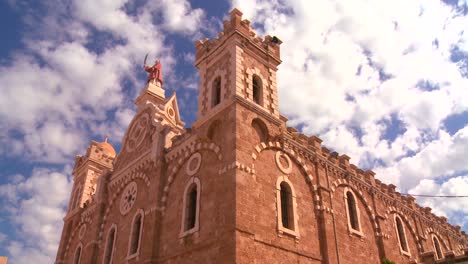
(134, 255)
(406, 253)
(188, 232)
(287, 231)
(356, 233)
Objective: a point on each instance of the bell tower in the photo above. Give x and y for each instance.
(237, 65)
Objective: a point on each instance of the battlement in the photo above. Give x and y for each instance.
(268, 44)
(314, 144)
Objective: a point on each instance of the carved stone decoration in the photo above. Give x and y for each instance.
(171, 112)
(283, 162)
(82, 231)
(128, 198)
(137, 132)
(193, 164)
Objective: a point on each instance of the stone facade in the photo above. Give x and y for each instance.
(3, 260)
(239, 186)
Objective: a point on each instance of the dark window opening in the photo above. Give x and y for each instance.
(286, 206)
(191, 208)
(135, 239)
(353, 217)
(401, 235)
(109, 246)
(437, 248)
(77, 256)
(216, 91)
(257, 89)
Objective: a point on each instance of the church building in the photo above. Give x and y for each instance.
(239, 186)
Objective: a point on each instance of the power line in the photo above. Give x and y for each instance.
(437, 196)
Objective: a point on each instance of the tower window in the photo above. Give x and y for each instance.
(76, 259)
(352, 211)
(286, 206)
(257, 91)
(401, 234)
(191, 207)
(136, 234)
(109, 249)
(437, 247)
(216, 91)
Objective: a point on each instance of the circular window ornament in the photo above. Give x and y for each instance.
(193, 164)
(128, 198)
(170, 112)
(82, 231)
(137, 133)
(283, 162)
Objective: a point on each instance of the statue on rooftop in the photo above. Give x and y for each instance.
(155, 71)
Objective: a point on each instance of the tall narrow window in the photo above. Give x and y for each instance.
(401, 234)
(76, 259)
(109, 249)
(437, 247)
(286, 206)
(257, 90)
(352, 211)
(191, 208)
(77, 197)
(136, 234)
(216, 93)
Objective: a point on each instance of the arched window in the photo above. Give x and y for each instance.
(286, 204)
(257, 89)
(437, 247)
(77, 197)
(352, 211)
(77, 258)
(401, 233)
(216, 91)
(109, 249)
(191, 207)
(135, 234)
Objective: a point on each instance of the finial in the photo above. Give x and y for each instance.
(106, 138)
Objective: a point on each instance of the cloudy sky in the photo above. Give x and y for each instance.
(385, 82)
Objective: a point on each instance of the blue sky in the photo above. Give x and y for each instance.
(386, 84)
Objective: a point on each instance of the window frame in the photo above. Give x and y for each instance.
(434, 240)
(351, 230)
(79, 247)
(183, 231)
(113, 227)
(402, 250)
(131, 255)
(257, 79)
(216, 94)
(282, 229)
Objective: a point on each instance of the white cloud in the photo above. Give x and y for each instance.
(349, 68)
(35, 206)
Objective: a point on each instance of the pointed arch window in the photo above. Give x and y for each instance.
(191, 207)
(352, 212)
(135, 234)
(216, 91)
(257, 89)
(401, 234)
(286, 206)
(77, 257)
(110, 245)
(437, 248)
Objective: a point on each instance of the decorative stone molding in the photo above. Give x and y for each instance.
(128, 198)
(176, 165)
(82, 231)
(237, 165)
(292, 155)
(283, 162)
(193, 164)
